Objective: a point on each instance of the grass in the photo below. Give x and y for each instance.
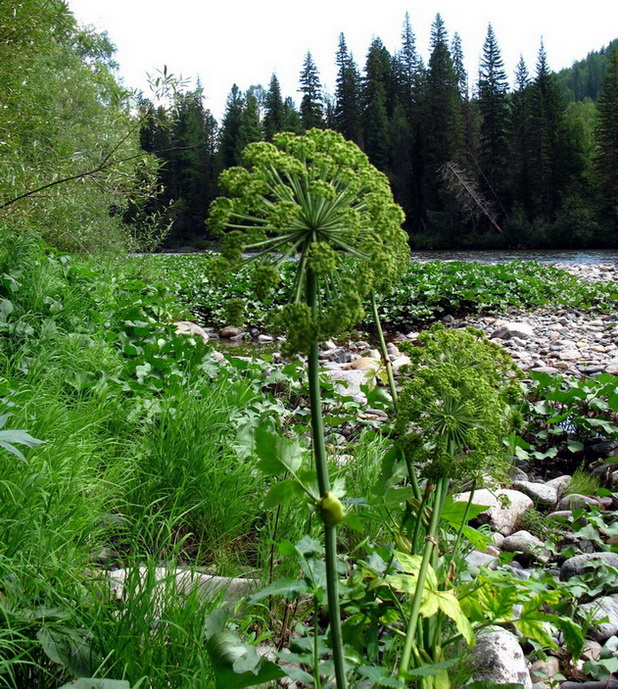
(146, 463)
(583, 483)
(136, 463)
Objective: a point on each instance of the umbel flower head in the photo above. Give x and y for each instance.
(315, 197)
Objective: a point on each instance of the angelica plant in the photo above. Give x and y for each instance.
(453, 415)
(315, 198)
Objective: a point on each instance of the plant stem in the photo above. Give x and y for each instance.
(330, 534)
(415, 605)
(383, 350)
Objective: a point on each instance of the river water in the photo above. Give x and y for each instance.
(575, 256)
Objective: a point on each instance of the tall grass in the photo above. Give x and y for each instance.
(131, 474)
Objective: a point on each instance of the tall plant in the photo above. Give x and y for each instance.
(317, 198)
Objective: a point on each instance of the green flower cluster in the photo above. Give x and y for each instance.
(316, 198)
(456, 410)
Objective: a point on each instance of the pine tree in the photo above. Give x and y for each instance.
(606, 158)
(250, 129)
(348, 95)
(274, 116)
(458, 66)
(494, 126)
(312, 103)
(521, 140)
(376, 132)
(443, 132)
(229, 154)
(547, 134)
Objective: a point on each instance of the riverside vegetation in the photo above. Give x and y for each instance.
(127, 446)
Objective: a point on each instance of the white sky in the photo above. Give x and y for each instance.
(245, 41)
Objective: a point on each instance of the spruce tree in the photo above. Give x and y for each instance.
(375, 118)
(312, 103)
(348, 95)
(443, 134)
(548, 136)
(229, 153)
(494, 125)
(274, 117)
(606, 157)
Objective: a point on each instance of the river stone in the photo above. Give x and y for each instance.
(187, 327)
(476, 558)
(363, 363)
(399, 362)
(605, 607)
(508, 330)
(579, 563)
(349, 383)
(543, 670)
(499, 659)
(500, 517)
(575, 501)
(526, 543)
(230, 331)
(541, 493)
(181, 582)
(559, 483)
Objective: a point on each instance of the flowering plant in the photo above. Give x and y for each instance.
(315, 197)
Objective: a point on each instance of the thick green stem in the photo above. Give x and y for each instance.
(383, 349)
(330, 535)
(415, 604)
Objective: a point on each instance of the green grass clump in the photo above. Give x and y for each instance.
(137, 468)
(583, 483)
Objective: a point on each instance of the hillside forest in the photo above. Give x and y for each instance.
(473, 162)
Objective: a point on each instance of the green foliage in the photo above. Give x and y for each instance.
(427, 291)
(65, 118)
(561, 414)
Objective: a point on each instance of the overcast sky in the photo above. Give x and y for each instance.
(245, 41)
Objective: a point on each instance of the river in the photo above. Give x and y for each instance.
(574, 256)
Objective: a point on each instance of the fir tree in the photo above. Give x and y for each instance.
(250, 129)
(347, 95)
(458, 66)
(606, 158)
(494, 110)
(229, 154)
(312, 103)
(274, 116)
(547, 134)
(375, 89)
(521, 140)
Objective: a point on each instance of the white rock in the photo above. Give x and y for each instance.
(504, 507)
(498, 658)
(559, 483)
(192, 329)
(578, 564)
(541, 493)
(526, 543)
(606, 607)
(513, 329)
(575, 501)
(178, 582)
